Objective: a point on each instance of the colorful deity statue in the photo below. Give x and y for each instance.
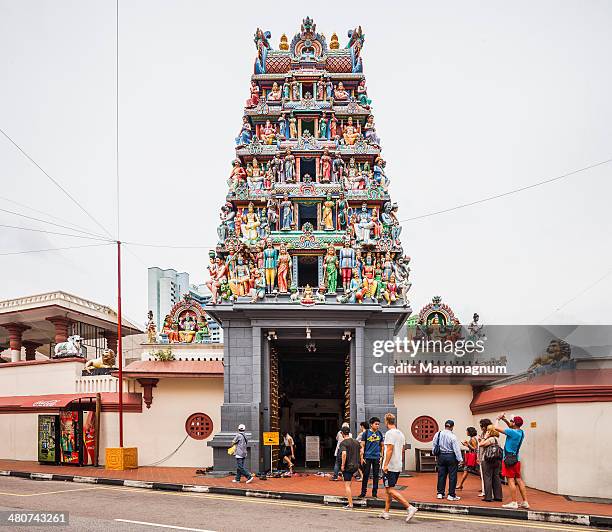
(354, 177)
(342, 212)
(378, 173)
(270, 256)
(362, 95)
(286, 215)
(203, 332)
(218, 272)
(246, 135)
(320, 90)
(293, 132)
(347, 263)
(283, 126)
(323, 126)
(350, 132)
(227, 226)
(388, 266)
(276, 166)
(295, 89)
(286, 89)
(369, 269)
(237, 176)
(151, 328)
(390, 292)
(289, 166)
(377, 229)
(327, 214)
(333, 127)
(338, 167)
(370, 135)
(258, 291)
(187, 329)
(325, 163)
(331, 270)
(254, 99)
(363, 226)
(255, 176)
(274, 94)
(272, 214)
(341, 94)
(250, 223)
(170, 330)
(283, 270)
(240, 277)
(268, 133)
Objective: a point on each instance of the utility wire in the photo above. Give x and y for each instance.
(584, 291)
(540, 183)
(50, 223)
(55, 182)
(48, 215)
(55, 233)
(53, 249)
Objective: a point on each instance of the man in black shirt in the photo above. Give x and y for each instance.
(349, 450)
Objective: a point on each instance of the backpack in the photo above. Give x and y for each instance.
(436, 446)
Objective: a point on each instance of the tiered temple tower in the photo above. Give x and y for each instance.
(308, 225)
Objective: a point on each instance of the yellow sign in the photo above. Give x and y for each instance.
(270, 438)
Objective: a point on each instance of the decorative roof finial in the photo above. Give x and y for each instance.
(334, 44)
(283, 45)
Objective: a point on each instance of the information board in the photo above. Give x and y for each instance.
(313, 449)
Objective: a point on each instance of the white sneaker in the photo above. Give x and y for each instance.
(236, 481)
(347, 507)
(525, 505)
(410, 513)
(439, 496)
(251, 479)
(385, 516)
(511, 505)
(451, 498)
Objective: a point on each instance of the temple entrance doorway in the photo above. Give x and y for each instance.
(313, 392)
(308, 271)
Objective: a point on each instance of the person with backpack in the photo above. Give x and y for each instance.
(371, 450)
(511, 464)
(348, 451)
(240, 444)
(490, 464)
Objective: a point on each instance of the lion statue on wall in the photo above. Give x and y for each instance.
(107, 360)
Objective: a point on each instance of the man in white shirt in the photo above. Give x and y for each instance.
(392, 467)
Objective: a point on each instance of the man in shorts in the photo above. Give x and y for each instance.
(348, 451)
(392, 466)
(514, 439)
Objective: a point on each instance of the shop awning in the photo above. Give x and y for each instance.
(22, 404)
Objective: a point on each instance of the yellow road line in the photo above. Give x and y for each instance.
(420, 515)
(46, 492)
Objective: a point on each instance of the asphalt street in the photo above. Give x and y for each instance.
(107, 508)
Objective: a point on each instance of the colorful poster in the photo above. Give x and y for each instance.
(46, 439)
(89, 438)
(69, 422)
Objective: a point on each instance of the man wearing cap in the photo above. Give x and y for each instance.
(241, 452)
(511, 465)
(446, 447)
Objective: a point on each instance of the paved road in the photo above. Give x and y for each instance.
(107, 508)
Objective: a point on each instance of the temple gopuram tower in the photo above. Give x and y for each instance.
(309, 271)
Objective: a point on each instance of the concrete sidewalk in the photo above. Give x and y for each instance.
(419, 488)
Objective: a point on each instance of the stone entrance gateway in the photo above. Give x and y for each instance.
(260, 338)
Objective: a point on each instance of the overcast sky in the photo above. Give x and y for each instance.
(471, 99)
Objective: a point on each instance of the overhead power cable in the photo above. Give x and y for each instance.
(55, 182)
(508, 193)
(54, 249)
(50, 223)
(55, 233)
(44, 213)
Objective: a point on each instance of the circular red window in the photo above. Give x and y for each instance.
(199, 426)
(423, 428)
